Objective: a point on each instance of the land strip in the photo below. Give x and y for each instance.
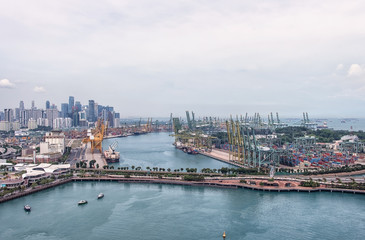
(221, 182)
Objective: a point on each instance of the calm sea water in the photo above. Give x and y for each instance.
(156, 150)
(142, 211)
(350, 124)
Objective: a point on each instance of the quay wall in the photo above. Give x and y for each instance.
(222, 185)
(34, 190)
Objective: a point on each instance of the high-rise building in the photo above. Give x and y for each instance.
(35, 113)
(78, 106)
(91, 115)
(111, 119)
(96, 109)
(51, 115)
(24, 117)
(32, 124)
(21, 105)
(9, 114)
(48, 105)
(17, 114)
(33, 104)
(71, 103)
(75, 119)
(64, 110)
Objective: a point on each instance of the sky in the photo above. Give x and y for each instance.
(153, 58)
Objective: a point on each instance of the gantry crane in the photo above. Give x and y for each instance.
(95, 137)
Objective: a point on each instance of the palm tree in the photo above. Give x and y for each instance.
(132, 167)
(169, 169)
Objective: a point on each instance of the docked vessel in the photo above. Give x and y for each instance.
(27, 208)
(111, 155)
(101, 195)
(324, 126)
(82, 202)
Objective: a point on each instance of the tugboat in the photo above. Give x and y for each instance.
(27, 208)
(101, 195)
(82, 202)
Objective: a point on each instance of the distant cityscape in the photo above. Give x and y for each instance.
(71, 114)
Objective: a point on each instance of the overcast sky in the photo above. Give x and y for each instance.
(151, 58)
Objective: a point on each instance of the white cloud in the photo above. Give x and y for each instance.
(5, 83)
(39, 89)
(264, 49)
(355, 70)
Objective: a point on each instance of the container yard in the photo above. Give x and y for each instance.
(253, 143)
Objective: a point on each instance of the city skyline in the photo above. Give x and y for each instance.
(153, 59)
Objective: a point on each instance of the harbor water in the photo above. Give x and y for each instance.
(152, 211)
(156, 150)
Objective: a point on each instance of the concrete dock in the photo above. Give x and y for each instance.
(97, 156)
(222, 156)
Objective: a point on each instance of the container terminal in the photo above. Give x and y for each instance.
(251, 142)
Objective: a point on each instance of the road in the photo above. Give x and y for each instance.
(76, 155)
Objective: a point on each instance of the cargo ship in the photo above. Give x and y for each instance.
(112, 156)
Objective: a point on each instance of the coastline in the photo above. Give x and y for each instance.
(225, 183)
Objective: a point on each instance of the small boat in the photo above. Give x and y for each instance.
(82, 202)
(101, 195)
(27, 208)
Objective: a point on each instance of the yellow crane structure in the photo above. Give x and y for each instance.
(236, 141)
(149, 125)
(95, 137)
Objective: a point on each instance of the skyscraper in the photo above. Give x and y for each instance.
(51, 115)
(64, 110)
(21, 105)
(91, 115)
(33, 104)
(48, 104)
(78, 106)
(9, 115)
(71, 103)
(24, 117)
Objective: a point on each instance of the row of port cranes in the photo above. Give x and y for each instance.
(263, 149)
(209, 125)
(244, 148)
(240, 142)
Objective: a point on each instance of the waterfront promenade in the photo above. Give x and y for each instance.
(253, 183)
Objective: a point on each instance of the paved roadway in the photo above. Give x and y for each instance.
(76, 155)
